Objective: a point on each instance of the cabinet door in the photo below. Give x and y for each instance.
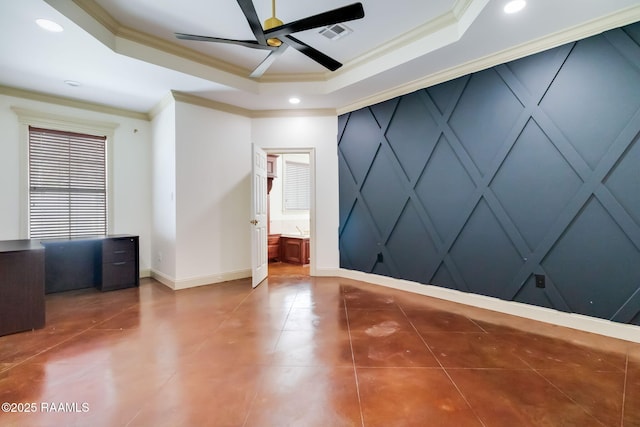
(71, 265)
(292, 250)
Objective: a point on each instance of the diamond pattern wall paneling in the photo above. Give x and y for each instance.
(531, 167)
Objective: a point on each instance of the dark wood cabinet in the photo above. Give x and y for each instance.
(70, 264)
(272, 165)
(21, 286)
(272, 169)
(31, 268)
(273, 247)
(294, 250)
(108, 263)
(120, 263)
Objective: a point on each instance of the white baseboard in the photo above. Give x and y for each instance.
(145, 273)
(327, 272)
(542, 314)
(193, 282)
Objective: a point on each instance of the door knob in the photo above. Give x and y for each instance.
(254, 221)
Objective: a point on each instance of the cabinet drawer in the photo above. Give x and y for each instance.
(118, 250)
(273, 239)
(118, 275)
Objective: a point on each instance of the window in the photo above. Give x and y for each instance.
(67, 184)
(297, 183)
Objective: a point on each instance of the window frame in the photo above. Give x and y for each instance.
(44, 120)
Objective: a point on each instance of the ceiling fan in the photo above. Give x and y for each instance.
(276, 35)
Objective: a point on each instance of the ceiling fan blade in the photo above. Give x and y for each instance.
(270, 59)
(246, 43)
(312, 53)
(252, 18)
(335, 16)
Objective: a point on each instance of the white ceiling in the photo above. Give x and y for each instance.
(124, 53)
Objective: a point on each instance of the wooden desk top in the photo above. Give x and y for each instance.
(20, 245)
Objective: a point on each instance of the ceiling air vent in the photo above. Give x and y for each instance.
(336, 31)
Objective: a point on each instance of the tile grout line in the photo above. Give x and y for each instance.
(477, 324)
(353, 358)
(537, 372)
(442, 366)
(268, 366)
(149, 403)
(65, 340)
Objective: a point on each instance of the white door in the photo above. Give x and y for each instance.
(259, 261)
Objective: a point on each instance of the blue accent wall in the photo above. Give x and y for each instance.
(480, 183)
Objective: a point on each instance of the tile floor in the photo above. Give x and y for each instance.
(301, 351)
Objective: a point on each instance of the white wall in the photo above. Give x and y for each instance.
(320, 134)
(213, 189)
(130, 179)
(9, 170)
(181, 182)
(163, 191)
(213, 163)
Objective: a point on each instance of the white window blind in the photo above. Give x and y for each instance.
(297, 183)
(67, 184)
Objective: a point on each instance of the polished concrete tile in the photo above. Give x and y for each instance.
(316, 319)
(378, 322)
(505, 397)
(412, 397)
(306, 396)
(313, 348)
(216, 396)
(472, 350)
(599, 393)
(302, 351)
(398, 349)
(441, 321)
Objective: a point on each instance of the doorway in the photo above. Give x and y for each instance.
(290, 217)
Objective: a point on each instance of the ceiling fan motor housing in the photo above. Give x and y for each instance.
(270, 23)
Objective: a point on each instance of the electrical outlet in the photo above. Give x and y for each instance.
(540, 280)
(379, 259)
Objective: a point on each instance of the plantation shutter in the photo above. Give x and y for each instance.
(297, 183)
(67, 184)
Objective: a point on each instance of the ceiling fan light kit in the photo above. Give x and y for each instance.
(276, 35)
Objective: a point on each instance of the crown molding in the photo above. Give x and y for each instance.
(253, 114)
(446, 20)
(103, 17)
(30, 116)
(317, 112)
(69, 102)
(180, 51)
(579, 32)
(98, 13)
(295, 78)
(160, 105)
(208, 103)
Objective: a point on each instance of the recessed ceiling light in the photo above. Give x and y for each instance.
(72, 83)
(514, 6)
(49, 25)
(294, 100)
